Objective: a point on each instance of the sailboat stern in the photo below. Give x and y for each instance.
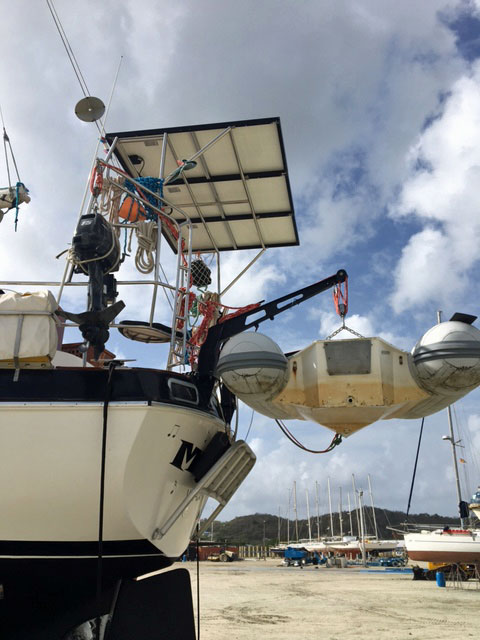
(165, 501)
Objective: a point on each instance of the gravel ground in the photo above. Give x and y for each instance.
(263, 599)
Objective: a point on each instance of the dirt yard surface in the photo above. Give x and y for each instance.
(262, 599)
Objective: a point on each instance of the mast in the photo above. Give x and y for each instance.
(356, 504)
(373, 508)
(350, 514)
(278, 536)
(288, 516)
(362, 528)
(330, 506)
(451, 438)
(453, 444)
(340, 515)
(295, 508)
(318, 512)
(308, 517)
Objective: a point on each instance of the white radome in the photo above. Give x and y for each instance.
(447, 358)
(253, 366)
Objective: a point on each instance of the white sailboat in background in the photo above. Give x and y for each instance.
(351, 546)
(364, 544)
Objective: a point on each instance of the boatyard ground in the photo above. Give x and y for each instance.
(263, 599)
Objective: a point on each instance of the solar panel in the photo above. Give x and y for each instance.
(237, 196)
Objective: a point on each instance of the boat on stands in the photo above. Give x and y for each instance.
(354, 546)
(443, 546)
(320, 546)
(458, 546)
(105, 468)
(448, 545)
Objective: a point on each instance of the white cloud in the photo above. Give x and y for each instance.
(428, 271)
(443, 196)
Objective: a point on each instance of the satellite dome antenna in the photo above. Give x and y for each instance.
(89, 109)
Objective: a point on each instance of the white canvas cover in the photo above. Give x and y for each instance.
(38, 339)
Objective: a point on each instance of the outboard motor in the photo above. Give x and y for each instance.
(96, 252)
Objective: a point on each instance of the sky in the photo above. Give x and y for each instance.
(379, 102)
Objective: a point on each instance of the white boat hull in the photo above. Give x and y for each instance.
(50, 471)
(453, 546)
(354, 547)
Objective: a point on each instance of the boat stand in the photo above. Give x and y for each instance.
(157, 608)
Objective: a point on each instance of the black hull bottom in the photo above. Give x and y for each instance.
(44, 598)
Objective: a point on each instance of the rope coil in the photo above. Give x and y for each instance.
(146, 246)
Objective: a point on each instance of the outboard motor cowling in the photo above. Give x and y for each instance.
(96, 252)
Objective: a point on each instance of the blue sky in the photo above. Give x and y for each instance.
(380, 109)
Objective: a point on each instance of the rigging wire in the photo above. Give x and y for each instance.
(71, 56)
(6, 140)
(415, 467)
(470, 459)
(336, 440)
(68, 49)
(19, 192)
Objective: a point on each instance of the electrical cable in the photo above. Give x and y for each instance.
(234, 437)
(336, 440)
(250, 425)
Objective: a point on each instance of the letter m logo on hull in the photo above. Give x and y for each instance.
(185, 455)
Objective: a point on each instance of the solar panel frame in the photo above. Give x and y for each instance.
(242, 179)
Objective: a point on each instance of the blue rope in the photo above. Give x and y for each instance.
(154, 184)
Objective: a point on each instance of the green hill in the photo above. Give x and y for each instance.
(265, 528)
